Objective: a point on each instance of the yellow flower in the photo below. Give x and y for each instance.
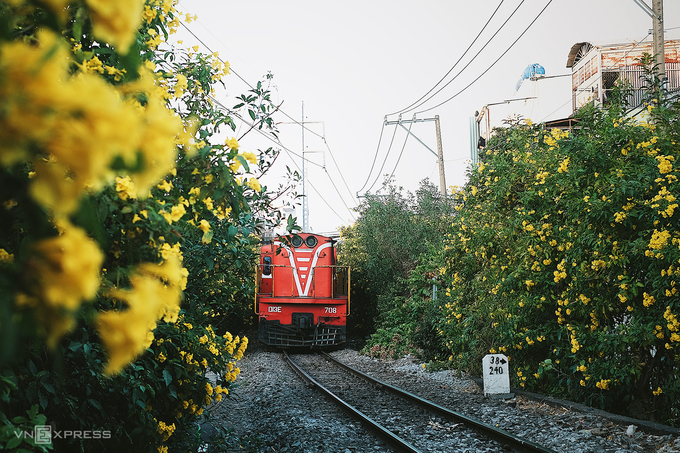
(165, 186)
(603, 384)
(665, 165)
(232, 143)
(175, 213)
(125, 188)
(659, 239)
(6, 257)
(250, 157)
(204, 226)
(66, 272)
(254, 184)
(116, 22)
(181, 85)
(154, 293)
(165, 430)
(564, 166)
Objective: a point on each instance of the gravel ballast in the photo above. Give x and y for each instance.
(272, 405)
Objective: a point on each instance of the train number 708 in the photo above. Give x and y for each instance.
(331, 309)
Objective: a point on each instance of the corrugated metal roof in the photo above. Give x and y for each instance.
(580, 49)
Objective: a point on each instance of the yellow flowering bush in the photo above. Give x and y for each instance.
(126, 235)
(568, 238)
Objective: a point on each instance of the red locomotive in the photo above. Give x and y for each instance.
(302, 295)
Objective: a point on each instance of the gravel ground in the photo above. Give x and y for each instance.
(274, 412)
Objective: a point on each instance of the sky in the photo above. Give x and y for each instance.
(354, 64)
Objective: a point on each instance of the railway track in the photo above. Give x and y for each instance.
(404, 421)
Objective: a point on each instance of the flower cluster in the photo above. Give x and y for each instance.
(573, 237)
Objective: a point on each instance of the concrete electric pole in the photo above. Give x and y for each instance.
(656, 13)
(657, 19)
(439, 153)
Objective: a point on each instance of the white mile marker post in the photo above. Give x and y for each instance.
(496, 376)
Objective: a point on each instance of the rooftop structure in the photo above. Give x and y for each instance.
(597, 69)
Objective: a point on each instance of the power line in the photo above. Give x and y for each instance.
(401, 153)
(244, 80)
(338, 192)
(384, 160)
(492, 64)
(277, 141)
(456, 63)
(375, 157)
(336, 166)
(267, 136)
(289, 152)
(473, 59)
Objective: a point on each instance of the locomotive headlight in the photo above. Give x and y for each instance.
(296, 241)
(311, 241)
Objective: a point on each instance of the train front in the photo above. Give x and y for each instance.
(302, 295)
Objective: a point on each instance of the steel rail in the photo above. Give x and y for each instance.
(499, 435)
(391, 439)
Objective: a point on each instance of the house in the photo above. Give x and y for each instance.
(597, 69)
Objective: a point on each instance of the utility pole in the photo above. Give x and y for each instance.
(440, 156)
(656, 13)
(657, 19)
(439, 153)
(305, 203)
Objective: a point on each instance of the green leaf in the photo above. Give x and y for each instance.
(14, 441)
(167, 377)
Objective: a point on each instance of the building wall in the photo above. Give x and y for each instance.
(596, 72)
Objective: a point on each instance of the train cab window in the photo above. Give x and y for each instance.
(296, 241)
(311, 241)
(267, 268)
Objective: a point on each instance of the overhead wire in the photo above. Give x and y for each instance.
(472, 60)
(375, 157)
(492, 64)
(248, 83)
(277, 141)
(402, 150)
(338, 192)
(417, 104)
(384, 160)
(267, 136)
(289, 152)
(336, 166)
(456, 63)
